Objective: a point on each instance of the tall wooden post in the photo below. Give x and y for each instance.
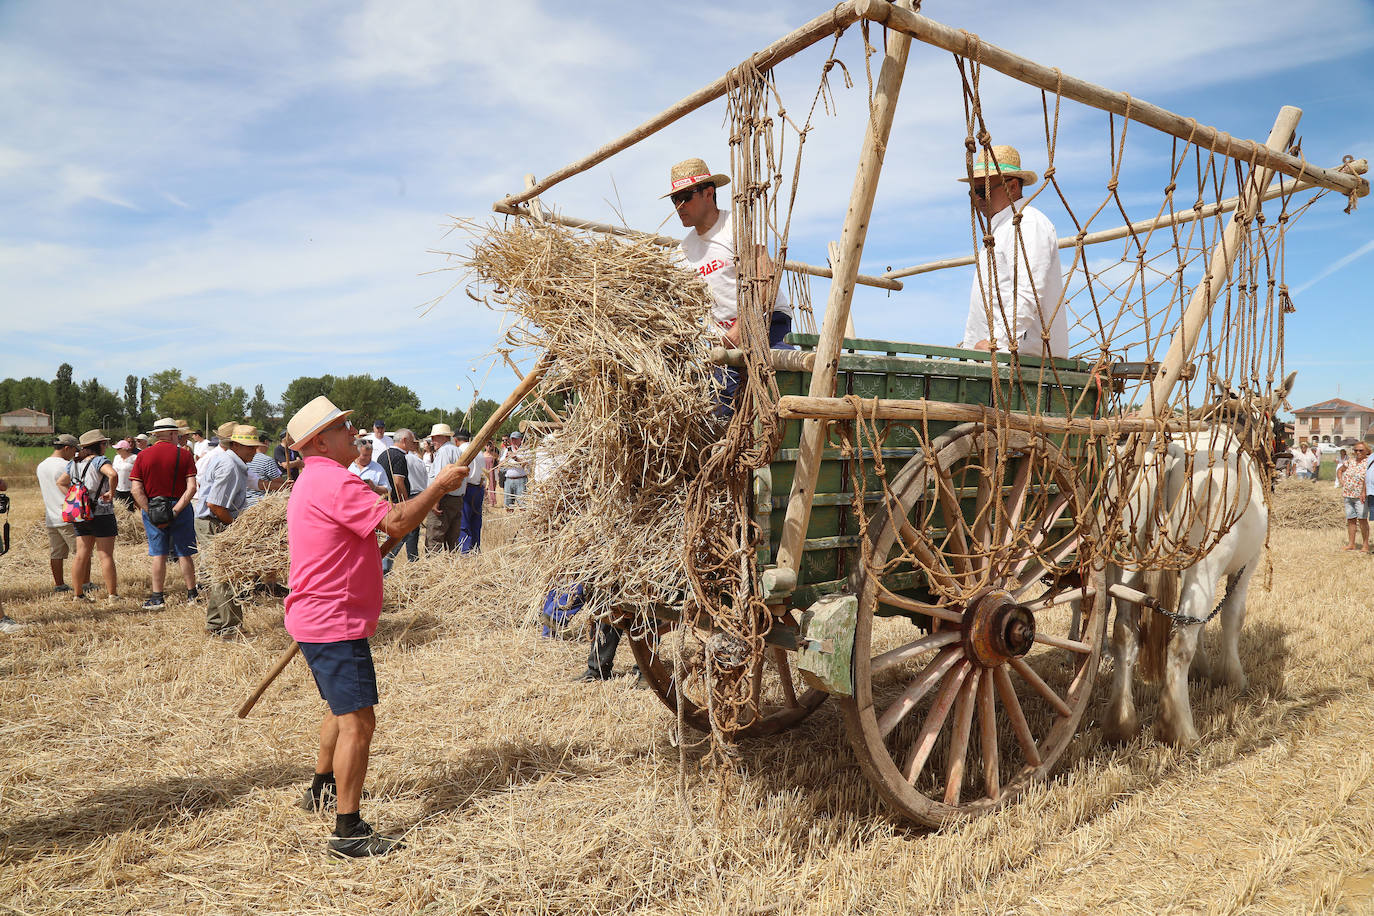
(1218, 274)
(846, 268)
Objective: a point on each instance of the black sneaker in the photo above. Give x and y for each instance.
(59, 589)
(324, 801)
(89, 587)
(155, 602)
(366, 842)
(193, 594)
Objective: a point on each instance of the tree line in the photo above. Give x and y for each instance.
(78, 406)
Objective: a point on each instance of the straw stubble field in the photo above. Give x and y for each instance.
(127, 786)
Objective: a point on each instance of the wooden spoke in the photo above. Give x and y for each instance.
(1040, 687)
(1031, 569)
(1007, 693)
(925, 553)
(1064, 597)
(963, 725)
(935, 720)
(920, 607)
(987, 733)
(954, 523)
(1059, 642)
(912, 650)
(984, 516)
(1015, 503)
(918, 688)
(789, 690)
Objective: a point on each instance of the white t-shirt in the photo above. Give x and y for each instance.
(514, 471)
(445, 455)
(380, 445)
(1029, 283)
(712, 256)
(48, 470)
(1307, 461)
(122, 467)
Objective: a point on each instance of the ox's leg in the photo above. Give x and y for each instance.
(1175, 712)
(1232, 619)
(1122, 723)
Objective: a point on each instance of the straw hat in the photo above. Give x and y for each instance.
(441, 429)
(166, 424)
(1006, 162)
(92, 437)
(240, 433)
(691, 172)
(312, 418)
(225, 430)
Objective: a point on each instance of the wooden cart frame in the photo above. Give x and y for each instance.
(976, 649)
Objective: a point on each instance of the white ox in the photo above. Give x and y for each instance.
(1221, 482)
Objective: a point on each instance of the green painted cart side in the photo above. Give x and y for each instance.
(897, 370)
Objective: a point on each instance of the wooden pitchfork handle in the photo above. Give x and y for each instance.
(483, 435)
(277, 667)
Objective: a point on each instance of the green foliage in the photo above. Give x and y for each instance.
(302, 391)
(171, 393)
(66, 403)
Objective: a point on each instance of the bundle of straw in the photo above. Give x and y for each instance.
(626, 329)
(253, 550)
(1305, 504)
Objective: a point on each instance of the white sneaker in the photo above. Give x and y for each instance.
(10, 625)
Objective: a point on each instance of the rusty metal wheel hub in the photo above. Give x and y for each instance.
(997, 628)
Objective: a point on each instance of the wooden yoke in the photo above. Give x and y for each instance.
(846, 269)
(1209, 287)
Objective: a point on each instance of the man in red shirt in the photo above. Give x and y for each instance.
(336, 597)
(164, 471)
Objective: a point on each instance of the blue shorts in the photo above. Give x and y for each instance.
(176, 540)
(1356, 508)
(344, 674)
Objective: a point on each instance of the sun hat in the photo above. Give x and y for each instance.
(92, 436)
(123, 443)
(65, 440)
(243, 434)
(225, 430)
(312, 418)
(690, 173)
(441, 429)
(1006, 162)
(166, 424)
(143, 436)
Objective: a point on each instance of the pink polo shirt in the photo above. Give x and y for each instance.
(336, 567)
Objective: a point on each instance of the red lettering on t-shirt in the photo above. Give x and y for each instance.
(710, 267)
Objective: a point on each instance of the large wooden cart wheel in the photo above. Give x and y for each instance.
(779, 697)
(960, 716)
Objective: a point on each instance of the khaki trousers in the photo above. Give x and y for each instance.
(221, 608)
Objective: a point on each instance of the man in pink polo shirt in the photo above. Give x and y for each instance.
(332, 521)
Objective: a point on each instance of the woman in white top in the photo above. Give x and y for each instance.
(123, 464)
(1341, 461)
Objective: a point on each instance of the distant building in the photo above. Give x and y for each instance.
(26, 420)
(1336, 421)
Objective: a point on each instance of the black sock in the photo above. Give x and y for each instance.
(346, 824)
(319, 782)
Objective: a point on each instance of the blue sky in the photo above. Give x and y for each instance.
(253, 192)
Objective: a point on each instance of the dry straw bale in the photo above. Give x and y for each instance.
(1305, 504)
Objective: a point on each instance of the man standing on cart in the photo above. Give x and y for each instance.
(709, 250)
(1018, 285)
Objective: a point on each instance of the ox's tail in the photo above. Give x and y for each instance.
(1155, 628)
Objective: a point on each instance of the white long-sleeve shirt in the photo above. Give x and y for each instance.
(1029, 279)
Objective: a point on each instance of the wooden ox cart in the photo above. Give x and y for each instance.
(941, 522)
